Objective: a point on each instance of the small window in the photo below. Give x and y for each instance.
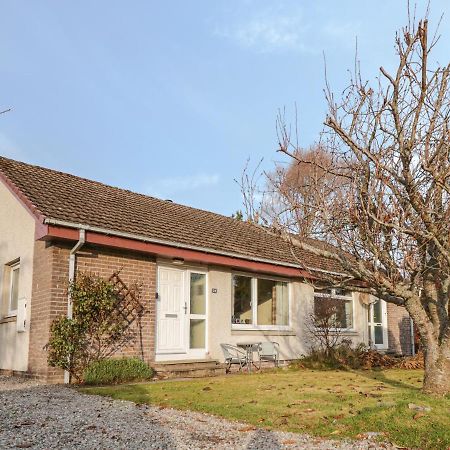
(14, 289)
(333, 308)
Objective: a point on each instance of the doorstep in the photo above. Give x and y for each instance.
(188, 368)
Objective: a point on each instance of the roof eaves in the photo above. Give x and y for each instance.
(123, 234)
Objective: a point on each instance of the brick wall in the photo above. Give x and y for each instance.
(49, 298)
(399, 330)
(135, 268)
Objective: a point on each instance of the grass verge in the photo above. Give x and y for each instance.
(331, 404)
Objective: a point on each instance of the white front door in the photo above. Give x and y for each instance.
(171, 311)
(181, 314)
(377, 321)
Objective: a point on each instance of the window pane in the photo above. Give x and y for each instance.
(198, 293)
(378, 334)
(377, 312)
(333, 312)
(197, 333)
(242, 287)
(282, 303)
(273, 303)
(14, 289)
(266, 305)
(344, 315)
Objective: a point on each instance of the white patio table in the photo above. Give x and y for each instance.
(250, 348)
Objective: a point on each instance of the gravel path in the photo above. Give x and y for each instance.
(47, 417)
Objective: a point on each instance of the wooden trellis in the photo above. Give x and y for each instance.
(129, 307)
(127, 311)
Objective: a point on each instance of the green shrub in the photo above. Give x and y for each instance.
(113, 371)
(96, 330)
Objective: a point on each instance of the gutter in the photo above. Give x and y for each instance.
(138, 237)
(72, 267)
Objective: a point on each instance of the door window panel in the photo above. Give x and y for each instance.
(197, 333)
(378, 334)
(377, 317)
(198, 293)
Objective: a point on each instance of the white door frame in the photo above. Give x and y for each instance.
(371, 324)
(186, 353)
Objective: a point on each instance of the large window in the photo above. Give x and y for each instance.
(333, 308)
(13, 289)
(260, 302)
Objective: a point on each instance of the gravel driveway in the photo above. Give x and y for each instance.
(47, 417)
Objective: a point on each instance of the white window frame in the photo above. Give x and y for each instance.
(12, 268)
(254, 303)
(333, 295)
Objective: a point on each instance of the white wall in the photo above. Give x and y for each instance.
(293, 343)
(17, 228)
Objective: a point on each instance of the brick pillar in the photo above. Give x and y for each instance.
(48, 301)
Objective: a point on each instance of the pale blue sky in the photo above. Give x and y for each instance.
(170, 98)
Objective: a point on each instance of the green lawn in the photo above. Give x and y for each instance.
(330, 404)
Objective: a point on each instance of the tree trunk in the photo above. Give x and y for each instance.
(437, 369)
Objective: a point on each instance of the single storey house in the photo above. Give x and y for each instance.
(205, 279)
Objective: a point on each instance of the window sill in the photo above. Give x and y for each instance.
(263, 331)
(342, 332)
(8, 319)
(248, 327)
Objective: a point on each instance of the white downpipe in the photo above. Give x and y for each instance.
(72, 267)
(413, 345)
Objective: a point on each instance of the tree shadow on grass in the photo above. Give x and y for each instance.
(380, 375)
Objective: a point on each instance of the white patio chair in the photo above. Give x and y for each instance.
(234, 355)
(269, 351)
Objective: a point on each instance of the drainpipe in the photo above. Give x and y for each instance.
(413, 345)
(72, 267)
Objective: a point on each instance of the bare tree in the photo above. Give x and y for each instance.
(274, 198)
(389, 222)
(379, 199)
(252, 195)
(298, 184)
